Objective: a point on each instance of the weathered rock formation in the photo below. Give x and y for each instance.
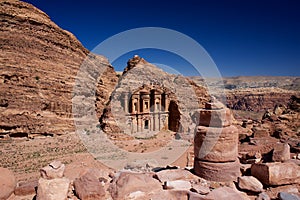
(52, 185)
(39, 62)
(182, 95)
(260, 99)
(216, 145)
(255, 93)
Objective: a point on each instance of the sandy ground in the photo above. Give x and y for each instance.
(26, 156)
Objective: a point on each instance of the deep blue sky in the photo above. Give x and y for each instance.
(251, 37)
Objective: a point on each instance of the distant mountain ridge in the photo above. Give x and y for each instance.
(256, 93)
(242, 82)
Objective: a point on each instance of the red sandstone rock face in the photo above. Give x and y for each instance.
(39, 62)
(200, 92)
(256, 93)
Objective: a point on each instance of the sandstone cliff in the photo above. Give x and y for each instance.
(258, 99)
(255, 93)
(39, 62)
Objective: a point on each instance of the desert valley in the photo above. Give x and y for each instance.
(51, 148)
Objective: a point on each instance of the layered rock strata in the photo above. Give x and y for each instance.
(39, 63)
(258, 99)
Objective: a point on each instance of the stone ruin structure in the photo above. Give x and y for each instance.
(216, 144)
(147, 108)
(147, 100)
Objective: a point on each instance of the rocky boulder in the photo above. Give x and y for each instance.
(54, 170)
(250, 183)
(175, 174)
(288, 196)
(203, 190)
(26, 188)
(125, 183)
(224, 193)
(263, 196)
(260, 132)
(89, 187)
(276, 173)
(177, 185)
(281, 153)
(170, 195)
(52, 185)
(53, 189)
(7, 183)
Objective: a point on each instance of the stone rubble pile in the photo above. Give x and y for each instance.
(260, 181)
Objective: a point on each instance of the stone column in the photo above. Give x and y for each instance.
(126, 110)
(132, 126)
(157, 105)
(166, 103)
(152, 122)
(216, 145)
(138, 104)
(166, 124)
(138, 124)
(159, 121)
